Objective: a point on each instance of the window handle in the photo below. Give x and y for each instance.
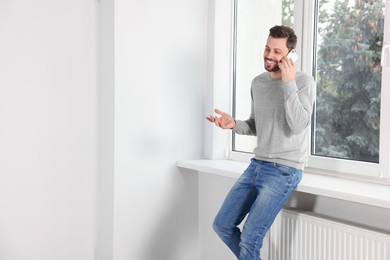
(385, 50)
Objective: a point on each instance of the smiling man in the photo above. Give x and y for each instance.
(282, 104)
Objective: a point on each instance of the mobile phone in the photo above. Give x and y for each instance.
(292, 55)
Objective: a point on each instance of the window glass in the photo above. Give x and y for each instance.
(348, 75)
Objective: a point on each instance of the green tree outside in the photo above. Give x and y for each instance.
(349, 79)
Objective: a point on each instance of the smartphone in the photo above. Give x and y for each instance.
(292, 55)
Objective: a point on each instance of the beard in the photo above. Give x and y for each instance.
(275, 68)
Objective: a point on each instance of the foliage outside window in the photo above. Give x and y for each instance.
(350, 39)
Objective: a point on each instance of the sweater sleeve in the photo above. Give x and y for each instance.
(247, 127)
(298, 102)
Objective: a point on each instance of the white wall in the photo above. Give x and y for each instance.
(57, 111)
(48, 129)
(159, 79)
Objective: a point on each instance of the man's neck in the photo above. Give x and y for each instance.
(276, 75)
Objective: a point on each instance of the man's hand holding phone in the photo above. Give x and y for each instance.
(292, 55)
(287, 66)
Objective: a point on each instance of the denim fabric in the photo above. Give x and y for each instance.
(261, 191)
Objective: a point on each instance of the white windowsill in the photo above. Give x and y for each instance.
(328, 186)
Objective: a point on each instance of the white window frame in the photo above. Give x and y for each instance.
(371, 172)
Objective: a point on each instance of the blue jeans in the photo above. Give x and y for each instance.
(261, 191)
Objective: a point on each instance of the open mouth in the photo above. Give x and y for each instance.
(270, 62)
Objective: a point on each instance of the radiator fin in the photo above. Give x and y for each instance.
(300, 236)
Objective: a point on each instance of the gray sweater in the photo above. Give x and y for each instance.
(280, 118)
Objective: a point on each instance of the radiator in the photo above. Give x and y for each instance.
(301, 236)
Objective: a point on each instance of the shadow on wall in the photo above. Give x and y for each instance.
(175, 236)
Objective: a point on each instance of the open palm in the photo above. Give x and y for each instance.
(224, 121)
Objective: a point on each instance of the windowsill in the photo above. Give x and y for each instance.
(350, 190)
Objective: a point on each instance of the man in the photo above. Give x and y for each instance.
(282, 103)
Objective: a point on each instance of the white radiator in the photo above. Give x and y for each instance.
(300, 236)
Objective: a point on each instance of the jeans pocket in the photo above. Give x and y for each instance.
(286, 170)
(295, 175)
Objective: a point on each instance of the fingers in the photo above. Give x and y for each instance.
(221, 121)
(288, 69)
(211, 118)
(219, 112)
(216, 120)
(286, 62)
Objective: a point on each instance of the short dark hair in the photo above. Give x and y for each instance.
(281, 31)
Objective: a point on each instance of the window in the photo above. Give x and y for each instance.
(342, 47)
(252, 23)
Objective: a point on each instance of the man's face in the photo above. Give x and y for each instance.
(275, 50)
